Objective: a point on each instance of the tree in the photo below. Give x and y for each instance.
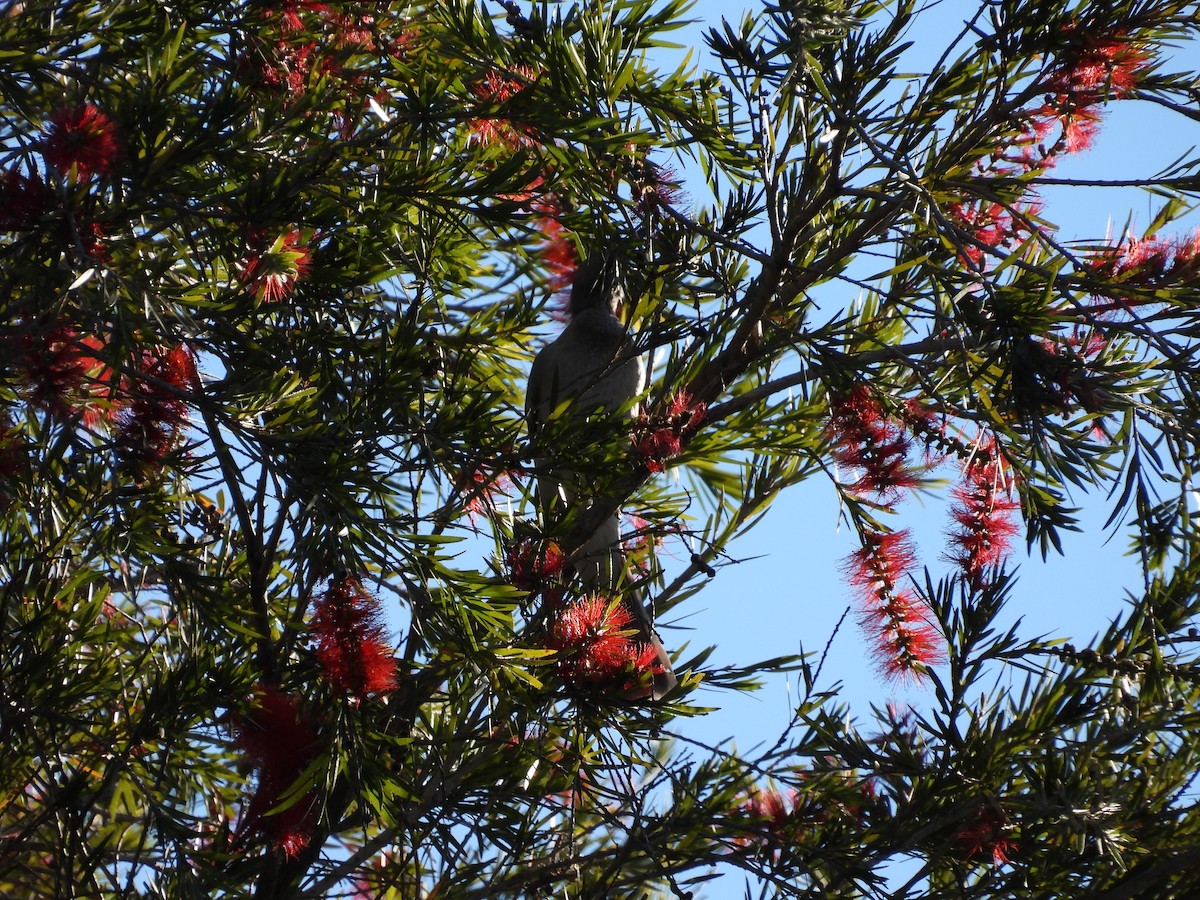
(272, 278)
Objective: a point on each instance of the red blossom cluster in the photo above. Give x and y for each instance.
(1148, 261)
(301, 41)
(24, 200)
(659, 439)
(897, 620)
(351, 647)
(988, 227)
(281, 742)
(81, 141)
(533, 564)
(769, 809)
(154, 410)
(987, 835)
(983, 512)
(597, 652)
(865, 437)
(1091, 70)
(273, 266)
(480, 487)
(495, 88)
(557, 249)
(64, 372)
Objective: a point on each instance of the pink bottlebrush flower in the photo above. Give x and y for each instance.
(657, 186)
(983, 512)
(81, 140)
(596, 651)
(156, 412)
(498, 87)
(271, 271)
(23, 201)
(898, 622)
(533, 564)
(987, 835)
(279, 739)
(351, 649)
(865, 437)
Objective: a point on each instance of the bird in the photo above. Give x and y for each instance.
(591, 368)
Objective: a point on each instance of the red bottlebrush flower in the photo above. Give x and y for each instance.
(659, 445)
(1092, 70)
(597, 653)
(984, 228)
(983, 510)
(987, 835)
(156, 412)
(1186, 264)
(281, 742)
(291, 13)
(685, 415)
(354, 30)
(557, 249)
(289, 68)
(1080, 126)
(533, 564)
(23, 201)
(1099, 67)
(1146, 262)
(770, 808)
(351, 649)
(81, 139)
(481, 486)
(899, 623)
(272, 270)
(865, 437)
(64, 373)
(498, 87)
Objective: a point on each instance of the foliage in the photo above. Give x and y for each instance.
(270, 276)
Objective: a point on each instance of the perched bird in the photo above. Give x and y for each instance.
(592, 368)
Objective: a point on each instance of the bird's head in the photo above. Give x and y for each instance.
(599, 284)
